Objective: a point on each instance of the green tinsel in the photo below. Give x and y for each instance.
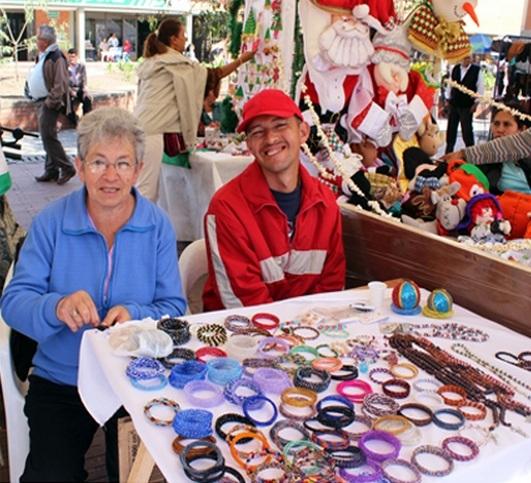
(235, 27)
(298, 53)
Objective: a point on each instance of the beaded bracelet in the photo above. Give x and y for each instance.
(405, 411)
(452, 389)
(427, 385)
(232, 387)
(209, 351)
(152, 384)
(360, 420)
(374, 475)
(388, 388)
(177, 329)
(232, 472)
(305, 350)
(241, 346)
(265, 321)
(238, 429)
(289, 363)
(471, 445)
(281, 472)
(271, 380)
(392, 424)
(178, 355)
(239, 455)
(193, 423)
(335, 399)
(349, 457)
(397, 371)
(187, 371)
(336, 417)
(298, 397)
(212, 334)
(321, 351)
(303, 375)
(144, 368)
(211, 451)
(161, 401)
(223, 370)
(380, 370)
(379, 405)
(428, 398)
(473, 416)
(255, 363)
(272, 347)
(309, 457)
(214, 394)
(227, 418)
(361, 388)
(346, 373)
(380, 436)
(300, 331)
(436, 451)
(328, 364)
(416, 476)
(448, 425)
(178, 446)
(253, 402)
(280, 426)
(238, 324)
(297, 413)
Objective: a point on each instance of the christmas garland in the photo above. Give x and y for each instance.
(487, 100)
(298, 53)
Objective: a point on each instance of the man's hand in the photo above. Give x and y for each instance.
(77, 310)
(455, 155)
(116, 315)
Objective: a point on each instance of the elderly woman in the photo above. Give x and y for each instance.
(99, 256)
(171, 90)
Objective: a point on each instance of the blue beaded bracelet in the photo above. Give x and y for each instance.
(223, 370)
(193, 423)
(187, 371)
(232, 387)
(144, 368)
(445, 424)
(252, 402)
(336, 398)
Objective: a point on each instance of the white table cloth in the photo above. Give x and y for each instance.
(104, 387)
(186, 193)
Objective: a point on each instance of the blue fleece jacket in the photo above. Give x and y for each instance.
(64, 253)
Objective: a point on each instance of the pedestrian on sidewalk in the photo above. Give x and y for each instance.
(462, 106)
(77, 73)
(47, 85)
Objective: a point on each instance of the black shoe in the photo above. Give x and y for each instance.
(66, 177)
(47, 177)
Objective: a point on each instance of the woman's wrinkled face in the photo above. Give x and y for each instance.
(109, 172)
(504, 124)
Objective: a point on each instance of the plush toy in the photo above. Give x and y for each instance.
(472, 180)
(436, 28)
(484, 220)
(517, 209)
(449, 211)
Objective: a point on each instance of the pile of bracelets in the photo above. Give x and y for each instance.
(293, 408)
(177, 329)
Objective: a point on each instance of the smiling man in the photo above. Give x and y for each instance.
(274, 231)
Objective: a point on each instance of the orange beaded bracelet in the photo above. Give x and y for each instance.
(329, 364)
(238, 455)
(298, 396)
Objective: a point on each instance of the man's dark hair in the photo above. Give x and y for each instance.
(73, 50)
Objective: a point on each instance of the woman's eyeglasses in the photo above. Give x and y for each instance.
(99, 166)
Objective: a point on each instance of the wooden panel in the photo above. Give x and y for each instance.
(381, 249)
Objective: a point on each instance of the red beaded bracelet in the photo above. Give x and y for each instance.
(209, 351)
(478, 415)
(265, 321)
(452, 389)
(389, 388)
(362, 387)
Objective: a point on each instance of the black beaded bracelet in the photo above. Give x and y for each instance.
(349, 457)
(404, 411)
(303, 374)
(212, 334)
(212, 452)
(239, 324)
(177, 329)
(279, 426)
(346, 373)
(445, 424)
(236, 476)
(390, 386)
(336, 416)
(231, 418)
(178, 355)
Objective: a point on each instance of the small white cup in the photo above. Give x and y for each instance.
(377, 294)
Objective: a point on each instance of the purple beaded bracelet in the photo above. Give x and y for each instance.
(215, 394)
(474, 448)
(434, 450)
(416, 476)
(380, 436)
(272, 380)
(231, 390)
(365, 477)
(380, 370)
(272, 347)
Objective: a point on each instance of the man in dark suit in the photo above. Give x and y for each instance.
(462, 106)
(77, 74)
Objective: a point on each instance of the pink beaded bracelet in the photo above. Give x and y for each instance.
(361, 389)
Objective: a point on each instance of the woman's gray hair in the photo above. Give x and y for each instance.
(47, 32)
(109, 123)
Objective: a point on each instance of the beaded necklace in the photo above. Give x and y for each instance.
(448, 330)
(451, 370)
(462, 350)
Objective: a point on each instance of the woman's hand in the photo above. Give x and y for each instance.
(77, 310)
(455, 155)
(116, 315)
(246, 56)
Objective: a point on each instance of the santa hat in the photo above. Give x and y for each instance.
(393, 47)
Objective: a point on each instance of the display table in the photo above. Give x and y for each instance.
(186, 193)
(104, 387)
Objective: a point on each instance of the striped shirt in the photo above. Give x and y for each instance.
(508, 148)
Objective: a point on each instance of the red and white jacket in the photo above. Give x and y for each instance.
(251, 259)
